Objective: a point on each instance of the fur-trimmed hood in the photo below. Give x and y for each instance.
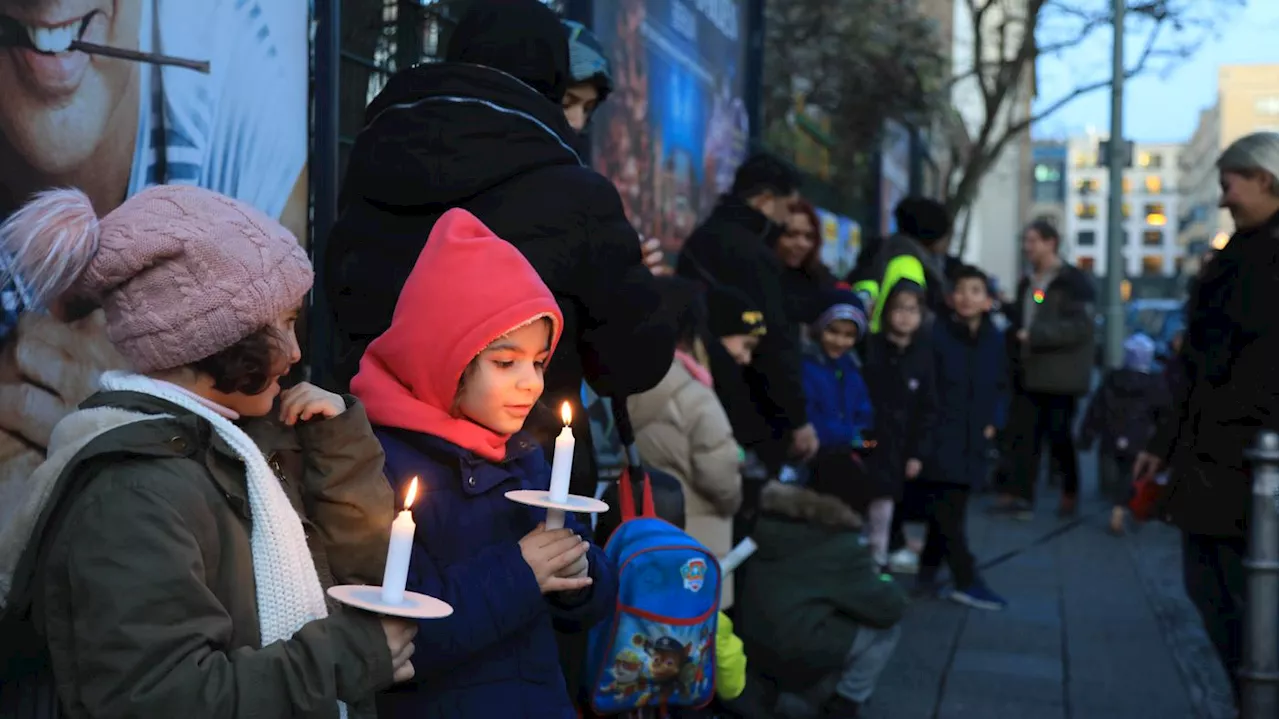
(795, 502)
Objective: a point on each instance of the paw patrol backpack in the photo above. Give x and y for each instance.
(658, 647)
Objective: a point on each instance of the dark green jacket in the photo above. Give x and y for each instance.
(1058, 356)
(142, 591)
(809, 587)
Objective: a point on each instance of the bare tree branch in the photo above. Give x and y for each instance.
(1049, 29)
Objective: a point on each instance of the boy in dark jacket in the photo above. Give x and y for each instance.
(900, 377)
(970, 358)
(816, 613)
(1123, 412)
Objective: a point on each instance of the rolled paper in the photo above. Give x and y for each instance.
(737, 556)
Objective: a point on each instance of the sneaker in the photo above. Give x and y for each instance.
(838, 707)
(904, 561)
(979, 596)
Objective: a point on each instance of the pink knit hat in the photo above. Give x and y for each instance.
(182, 273)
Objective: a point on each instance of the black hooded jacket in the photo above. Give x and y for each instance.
(731, 248)
(490, 140)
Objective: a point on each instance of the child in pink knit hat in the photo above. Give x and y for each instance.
(190, 514)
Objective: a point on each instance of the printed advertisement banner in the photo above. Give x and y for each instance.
(895, 173)
(675, 128)
(841, 241)
(116, 121)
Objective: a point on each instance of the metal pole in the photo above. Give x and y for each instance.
(324, 179)
(1116, 235)
(1258, 671)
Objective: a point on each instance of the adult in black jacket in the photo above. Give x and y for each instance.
(484, 131)
(1229, 396)
(732, 248)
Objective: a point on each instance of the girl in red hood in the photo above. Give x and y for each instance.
(448, 388)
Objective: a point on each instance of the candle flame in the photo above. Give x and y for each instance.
(411, 494)
(566, 414)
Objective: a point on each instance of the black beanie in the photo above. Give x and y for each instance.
(922, 218)
(731, 313)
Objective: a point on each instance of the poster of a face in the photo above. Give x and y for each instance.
(675, 128)
(88, 104)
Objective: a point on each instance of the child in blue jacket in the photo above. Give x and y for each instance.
(449, 387)
(839, 406)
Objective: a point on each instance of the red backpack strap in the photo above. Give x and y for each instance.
(626, 496)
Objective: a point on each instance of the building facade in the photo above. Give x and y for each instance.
(991, 225)
(1048, 183)
(1150, 208)
(1248, 101)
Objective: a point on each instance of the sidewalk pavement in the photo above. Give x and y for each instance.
(1097, 627)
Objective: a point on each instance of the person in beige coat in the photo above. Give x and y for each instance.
(682, 429)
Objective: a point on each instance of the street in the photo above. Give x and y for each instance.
(1098, 627)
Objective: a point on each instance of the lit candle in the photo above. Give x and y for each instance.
(397, 571)
(561, 468)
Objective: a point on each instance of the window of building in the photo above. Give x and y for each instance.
(1126, 185)
(1086, 238)
(1152, 265)
(1085, 263)
(1152, 160)
(1154, 212)
(1268, 105)
(1155, 185)
(1081, 158)
(1086, 210)
(1178, 265)
(1087, 186)
(1124, 210)
(1152, 238)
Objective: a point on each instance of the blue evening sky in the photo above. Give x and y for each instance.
(1156, 108)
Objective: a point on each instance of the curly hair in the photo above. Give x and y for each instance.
(248, 366)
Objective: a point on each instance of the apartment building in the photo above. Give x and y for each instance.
(1248, 101)
(1150, 208)
(1048, 183)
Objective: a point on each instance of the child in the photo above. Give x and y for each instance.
(817, 615)
(899, 376)
(449, 387)
(971, 363)
(1124, 412)
(175, 575)
(681, 429)
(839, 405)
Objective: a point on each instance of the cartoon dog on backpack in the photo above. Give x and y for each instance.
(628, 675)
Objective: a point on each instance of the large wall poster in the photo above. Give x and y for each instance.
(82, 109)
(675, 128)
(895, 173)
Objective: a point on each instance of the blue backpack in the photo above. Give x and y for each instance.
(658, 647)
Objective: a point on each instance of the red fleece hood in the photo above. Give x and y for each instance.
(468, 288)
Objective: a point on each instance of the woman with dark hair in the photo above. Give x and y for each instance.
(804, 277)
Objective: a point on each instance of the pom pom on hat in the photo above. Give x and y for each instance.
(49, 243)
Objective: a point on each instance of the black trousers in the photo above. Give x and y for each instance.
(1035, 419)
(946, 510)
(1213, 573)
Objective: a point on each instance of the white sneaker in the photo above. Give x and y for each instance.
(904, 561)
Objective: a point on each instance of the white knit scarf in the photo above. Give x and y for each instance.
(288, 589)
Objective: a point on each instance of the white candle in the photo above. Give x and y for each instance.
(561, 468)
(401, 546)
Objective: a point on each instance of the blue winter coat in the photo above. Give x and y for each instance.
(972, 385)
(496, 656)
(838, 403)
